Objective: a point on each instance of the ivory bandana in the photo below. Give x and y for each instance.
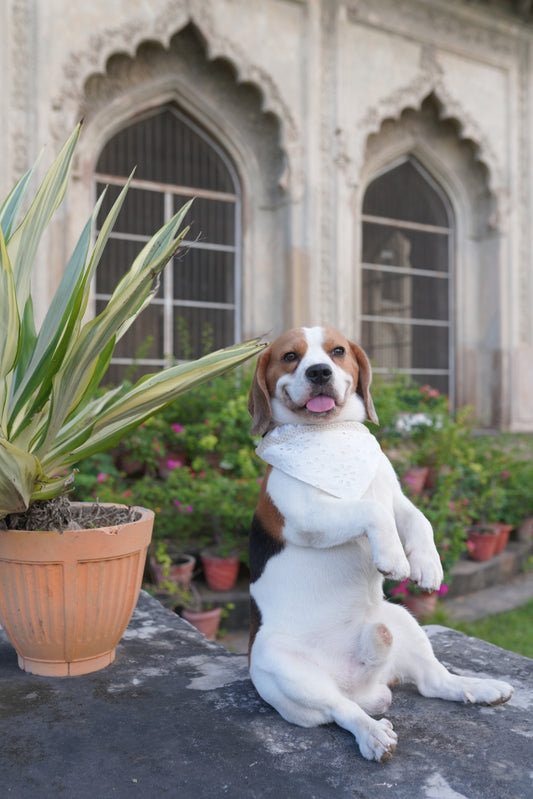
(339, 458)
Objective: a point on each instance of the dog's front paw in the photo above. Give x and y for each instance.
(426, 570)
(378, 741)
(395, 565)
(485, 691)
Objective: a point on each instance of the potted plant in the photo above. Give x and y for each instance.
(226, 506)
(422, 604)
(177, 567)
(66, 567)
(204, 616)
(485, 482)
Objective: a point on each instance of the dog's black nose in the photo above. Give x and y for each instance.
(319, 373)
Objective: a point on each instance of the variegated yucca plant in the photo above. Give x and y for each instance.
(51, 415)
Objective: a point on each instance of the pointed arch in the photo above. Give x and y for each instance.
(198, 302)
(407, 275)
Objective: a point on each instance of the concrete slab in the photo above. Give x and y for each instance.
(177, 716)
(491, 601)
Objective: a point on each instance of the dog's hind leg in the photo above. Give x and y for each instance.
(306, 695)
(413, 660)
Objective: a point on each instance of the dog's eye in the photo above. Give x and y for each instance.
(338, 352)
(290, 357)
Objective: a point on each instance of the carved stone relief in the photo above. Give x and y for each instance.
(20, 91)
(124, 42)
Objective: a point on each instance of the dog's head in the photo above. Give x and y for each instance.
(310, 375)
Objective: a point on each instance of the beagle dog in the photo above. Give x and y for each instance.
(331, 520)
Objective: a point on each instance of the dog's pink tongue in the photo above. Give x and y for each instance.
(320, 404)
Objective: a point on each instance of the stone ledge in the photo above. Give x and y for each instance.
(471, 575)
(176, 715)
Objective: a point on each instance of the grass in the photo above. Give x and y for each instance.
(512, 630)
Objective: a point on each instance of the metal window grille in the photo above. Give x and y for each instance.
(407, 291)
(197, 306)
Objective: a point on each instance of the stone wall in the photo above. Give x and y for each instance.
(310, 98)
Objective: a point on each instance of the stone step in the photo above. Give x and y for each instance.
(469, 576)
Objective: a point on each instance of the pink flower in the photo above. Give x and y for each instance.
(505, 475)
(178, 504)
(401, 588)
(174, 464)
(470, 546)
(128, 493)
(101, 477)
(259, 480)
(189, 508)
(177, 428)
(443, 590)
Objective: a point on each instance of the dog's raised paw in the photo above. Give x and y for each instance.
(379, 741)
(394, 568)
(426, 571)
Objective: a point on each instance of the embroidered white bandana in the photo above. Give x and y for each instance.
(341, 459)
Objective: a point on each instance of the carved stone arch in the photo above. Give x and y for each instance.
(455, 163)
(452, 160)
(128, 40)
(429, 84)
(178, 72)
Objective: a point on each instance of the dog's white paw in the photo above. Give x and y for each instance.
(486, 691)
(378, 741)
(426, 570)
(393, 565)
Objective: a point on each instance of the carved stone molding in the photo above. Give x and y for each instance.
(20, 99)
(134, 31)
(429, 80)
(453, 25)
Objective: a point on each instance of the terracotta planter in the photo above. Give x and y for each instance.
(482, 545)
(220, 573)
(415, 479)
(502, 536)
(180, 572)
(66, 598)
(421, 605)
(205, 621)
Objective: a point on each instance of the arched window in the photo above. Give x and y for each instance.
(198, 302)
(407, 292)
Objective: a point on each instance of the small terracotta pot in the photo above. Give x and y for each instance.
(180, 572)
(482, 544)
(220, 573)
(205, 621)
(502, 537)
(421, 605)
(66, 598)
(415, 479)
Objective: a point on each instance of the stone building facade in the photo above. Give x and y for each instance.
(362, 163)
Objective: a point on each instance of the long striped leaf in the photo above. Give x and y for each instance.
(23, 244)
(71, 382)
(9, 315)
(53, 339)
(150, 395)
(20, 474)
(13, 202)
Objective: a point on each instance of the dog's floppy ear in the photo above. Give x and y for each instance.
(259, 406)
(363, 384)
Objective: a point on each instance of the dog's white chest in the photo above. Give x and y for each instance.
(341, 459)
